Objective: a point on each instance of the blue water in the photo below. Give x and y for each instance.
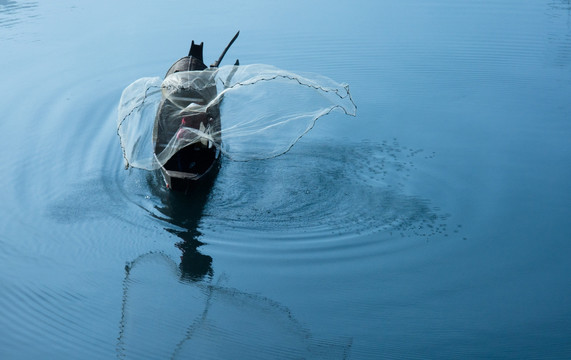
(435, 224)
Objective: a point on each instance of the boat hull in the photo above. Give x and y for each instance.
(195, 156)
(183, 180)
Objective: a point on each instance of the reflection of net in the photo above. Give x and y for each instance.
(164, 318)
(264, 111)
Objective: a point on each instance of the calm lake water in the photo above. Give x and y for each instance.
(434, 224)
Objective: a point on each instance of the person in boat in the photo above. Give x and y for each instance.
(181, 114)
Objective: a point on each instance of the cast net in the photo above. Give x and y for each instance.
(248, 112)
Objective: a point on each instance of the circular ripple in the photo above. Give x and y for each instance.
(321, 191)
(37, 318)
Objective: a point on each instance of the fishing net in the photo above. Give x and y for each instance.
(248, 112)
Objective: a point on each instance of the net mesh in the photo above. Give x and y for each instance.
(248, 112)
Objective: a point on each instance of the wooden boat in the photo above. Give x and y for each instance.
(184, 118)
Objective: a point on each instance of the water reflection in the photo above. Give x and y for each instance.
(319, 197)
(184, 211)
(162, 317)
(204, 317)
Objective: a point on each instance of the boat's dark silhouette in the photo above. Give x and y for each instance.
(193, 161)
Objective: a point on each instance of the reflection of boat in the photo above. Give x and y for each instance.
(186, 134)
(184, 213)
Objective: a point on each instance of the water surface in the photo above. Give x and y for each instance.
(435, 224)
